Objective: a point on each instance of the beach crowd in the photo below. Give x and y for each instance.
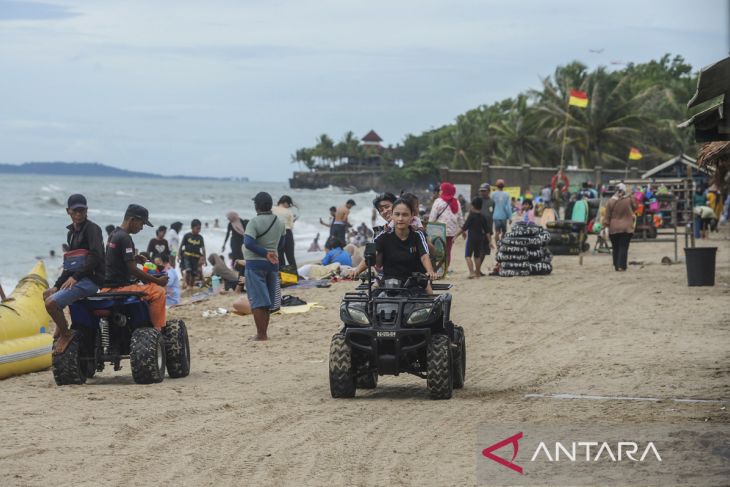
(262, 251)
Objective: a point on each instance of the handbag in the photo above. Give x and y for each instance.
(75, 260)
(288, 275)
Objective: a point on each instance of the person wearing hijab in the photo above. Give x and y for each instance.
(236, 229)
(173, 239)
(447, 210)
(619, 221)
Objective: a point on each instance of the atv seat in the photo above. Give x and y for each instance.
(116, 295)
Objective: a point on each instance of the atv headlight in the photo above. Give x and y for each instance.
(358, 316)
(419, 316)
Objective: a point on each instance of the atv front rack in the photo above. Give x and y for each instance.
(435, 286)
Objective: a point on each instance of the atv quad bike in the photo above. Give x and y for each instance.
(113, 326)
(393, 329)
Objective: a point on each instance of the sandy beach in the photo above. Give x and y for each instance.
(261, 413)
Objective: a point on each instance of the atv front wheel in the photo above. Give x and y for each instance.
(67, 367)
(440, 377)
(459, 358)
(177, 349)
(147, 356)
(342, 382)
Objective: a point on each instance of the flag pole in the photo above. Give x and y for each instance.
(565, 132)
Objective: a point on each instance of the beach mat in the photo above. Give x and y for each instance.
(309, 284)
(302, 308)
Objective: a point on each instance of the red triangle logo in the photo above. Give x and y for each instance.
(513, 440)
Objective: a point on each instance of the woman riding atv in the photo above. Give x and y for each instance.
(403, 251)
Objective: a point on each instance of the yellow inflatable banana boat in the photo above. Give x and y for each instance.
(25, 344)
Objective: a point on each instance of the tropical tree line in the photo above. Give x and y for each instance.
(638, 106)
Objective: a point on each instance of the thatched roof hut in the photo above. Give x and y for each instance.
(715, 156)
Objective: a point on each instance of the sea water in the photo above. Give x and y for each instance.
(33, 215)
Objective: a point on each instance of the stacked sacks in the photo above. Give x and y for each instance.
(523, 252)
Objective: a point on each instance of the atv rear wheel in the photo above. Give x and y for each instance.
(342, 382)
(440, 376)
(459, 358)
(177, 349)
(147, 356)
(67, 366)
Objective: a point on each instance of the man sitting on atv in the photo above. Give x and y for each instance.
(122, 272)
(403, 251)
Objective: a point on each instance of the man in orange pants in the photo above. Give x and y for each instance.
(122, 273)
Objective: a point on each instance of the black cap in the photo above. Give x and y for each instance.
(138, 211)
(76, 201)
(263, 199)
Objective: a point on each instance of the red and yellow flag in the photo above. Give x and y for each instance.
(635, 154)
(578, 98)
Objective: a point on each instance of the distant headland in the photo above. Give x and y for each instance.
(89, 169)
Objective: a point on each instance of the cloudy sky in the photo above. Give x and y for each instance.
(233, 87)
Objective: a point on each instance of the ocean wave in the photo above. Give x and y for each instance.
(51, 188)
(119, 192)
(206, 201)
(51, 201)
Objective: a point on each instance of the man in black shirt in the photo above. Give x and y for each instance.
(192, 253)
(83, 269)
(122, 272)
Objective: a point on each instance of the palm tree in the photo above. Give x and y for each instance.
(516, 135)
(614, 120)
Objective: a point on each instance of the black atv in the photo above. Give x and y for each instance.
(112, 326)
(397, 328)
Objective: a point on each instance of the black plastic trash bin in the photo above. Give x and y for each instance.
(700, 265)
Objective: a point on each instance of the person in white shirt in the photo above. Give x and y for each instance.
(173, 240)
(285, 214)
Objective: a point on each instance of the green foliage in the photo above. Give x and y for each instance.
(637, 106)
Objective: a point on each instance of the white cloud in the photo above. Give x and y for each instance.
(229, 80)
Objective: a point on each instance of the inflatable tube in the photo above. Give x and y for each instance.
(25, 346)
(23, 355)
(24, 313)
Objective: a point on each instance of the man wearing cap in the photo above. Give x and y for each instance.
(487, 210)
(502, 210)
(83, 269)
(487, 205)
(262, 242)
(122, 273)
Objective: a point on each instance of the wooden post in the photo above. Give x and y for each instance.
(565, 133)
(691, 206)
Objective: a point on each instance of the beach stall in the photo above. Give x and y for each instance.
(25, 344)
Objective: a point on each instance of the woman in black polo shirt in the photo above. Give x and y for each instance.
(402, 251)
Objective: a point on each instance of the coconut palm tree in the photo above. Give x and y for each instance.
(614, 120)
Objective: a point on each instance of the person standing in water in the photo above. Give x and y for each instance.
(236, 230)
(341, 222)
(173, 240)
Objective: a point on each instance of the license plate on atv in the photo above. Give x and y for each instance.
(386, 334)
